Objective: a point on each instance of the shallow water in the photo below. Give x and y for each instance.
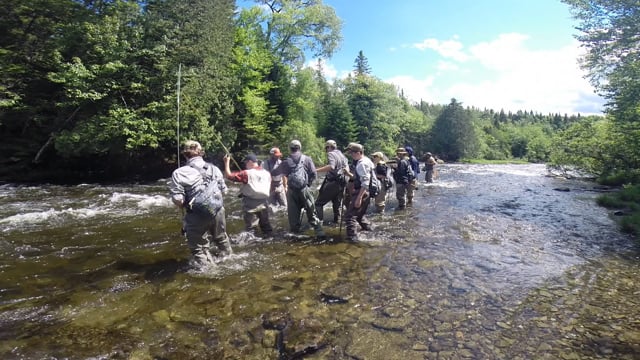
(491, 262)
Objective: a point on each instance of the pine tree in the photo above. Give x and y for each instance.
(361, 65)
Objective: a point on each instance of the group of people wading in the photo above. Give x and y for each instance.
(198, 188)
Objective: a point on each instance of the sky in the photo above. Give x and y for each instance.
(495, 54)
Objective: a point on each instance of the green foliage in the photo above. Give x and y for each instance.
(361, 65)
(292, 27)
(609, 32)
(100, 79)
(312, 145)
(337, 121)
(454, 133)
(627, 199)
(582, 145)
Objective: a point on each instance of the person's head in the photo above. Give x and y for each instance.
(191, 149)
(250, 161)
(377, 157)
(355, 150)
(330, 145)
(409, 150)
(275, 152)
(401, 152)
(429, 154)
(295, 146)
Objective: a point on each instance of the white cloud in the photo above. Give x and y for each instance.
(328, 70)
(448, 48)
(447, 66)
(504, 74)
(415, 89)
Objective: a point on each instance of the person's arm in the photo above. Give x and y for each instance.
(176, 190)
(364, 175)
(227, 169)
(312, 170)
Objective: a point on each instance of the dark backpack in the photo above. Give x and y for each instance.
(383, 170)
(205, 199)
(298, 178)
(374, 184)
(403, 172)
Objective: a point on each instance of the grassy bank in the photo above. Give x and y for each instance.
(627, 204)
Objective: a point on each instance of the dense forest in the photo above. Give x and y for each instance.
(104, 90)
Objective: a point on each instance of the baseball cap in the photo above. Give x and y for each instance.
(295, 144)
(251, 157)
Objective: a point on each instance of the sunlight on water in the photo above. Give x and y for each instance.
(50, 218)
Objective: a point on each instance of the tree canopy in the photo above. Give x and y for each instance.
(89, 90)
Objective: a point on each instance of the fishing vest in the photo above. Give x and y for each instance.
(258, 184)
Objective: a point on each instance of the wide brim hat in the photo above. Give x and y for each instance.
(355, 147)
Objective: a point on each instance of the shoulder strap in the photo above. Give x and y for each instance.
(202, 171)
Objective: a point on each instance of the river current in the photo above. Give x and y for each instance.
(490, 262)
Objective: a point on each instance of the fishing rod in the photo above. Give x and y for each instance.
(226, 150)
(178, 116)
(182, 230)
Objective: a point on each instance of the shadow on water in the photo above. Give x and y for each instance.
(490, 262)
(163, 270)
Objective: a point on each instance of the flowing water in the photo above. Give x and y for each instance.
(490, 262)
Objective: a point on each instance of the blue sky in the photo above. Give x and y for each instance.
(499, 54)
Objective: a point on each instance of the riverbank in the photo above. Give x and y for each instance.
(626, 202)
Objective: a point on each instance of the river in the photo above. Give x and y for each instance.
(490, 262)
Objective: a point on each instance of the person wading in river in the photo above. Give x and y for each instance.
(299, 194)
(403, 176)
(360, 199)
(429, 167)
(278, 192)
(188, 185)
(256, 183)
(332, 188)
(383, 173)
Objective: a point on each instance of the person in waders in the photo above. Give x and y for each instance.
(300, 172)
(360, 199)
(429, 167)
(198, 187)
(332, 188)
(256, 183)
(403, 176)
(383, 173)
(278, 191)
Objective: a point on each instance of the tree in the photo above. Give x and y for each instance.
(271, 41)
(454, 133)
(609, 32)
(31, 33)
(292, 27)
(361, 65)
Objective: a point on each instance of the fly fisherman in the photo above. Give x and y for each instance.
(332, 188)
(256, 183)
(198, 188)
(300, 172)
(360, 199)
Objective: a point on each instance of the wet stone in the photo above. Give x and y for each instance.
(420, 347)
(269, 339)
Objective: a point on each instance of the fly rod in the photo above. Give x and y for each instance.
(178, 116)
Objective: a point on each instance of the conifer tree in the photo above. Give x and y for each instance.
(361, 65)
